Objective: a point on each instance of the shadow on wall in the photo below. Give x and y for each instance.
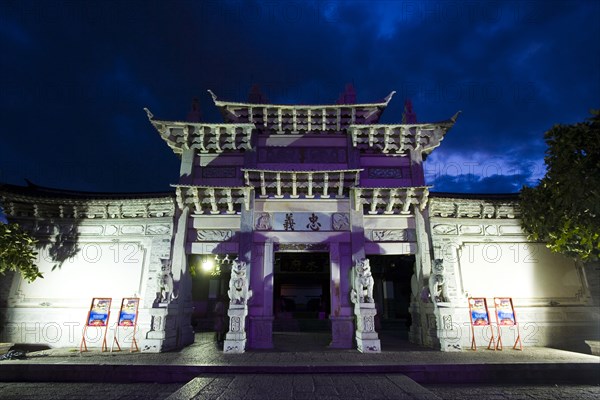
(65, 245)
(56, 229)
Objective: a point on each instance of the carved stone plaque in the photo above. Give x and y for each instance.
(445, 229)
(302, 155)
(263, 222)
(157, 229)
(214, 235)
(471, 229)
(301, 247)
(383, 235)
(340, 222)
(385, 173)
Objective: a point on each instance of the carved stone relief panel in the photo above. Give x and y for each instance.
(385, 173)
(340, 222)
(111, 230)
(301, 247)
(382, 235)
(214, 235)
(157, 229)
(445, 229)
(301, 155)
(491, 230)
(471, 229)
(393, 235)
(263, 222)
(86, 230)
(132, 229)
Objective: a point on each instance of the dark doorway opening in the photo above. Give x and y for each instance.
(210, 283)
(392, 292)
(301, 298)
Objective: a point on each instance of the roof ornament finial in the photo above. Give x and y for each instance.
(214, 96)
(455, 117)
(256, 96)
(348, 96)
(409, 116)
(149, 114)
(195, 114)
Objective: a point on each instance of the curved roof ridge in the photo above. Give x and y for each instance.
(43, 191)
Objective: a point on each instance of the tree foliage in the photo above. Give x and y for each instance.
(564, 209)
(17, 252)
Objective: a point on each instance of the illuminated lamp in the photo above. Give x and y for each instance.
(208, 265)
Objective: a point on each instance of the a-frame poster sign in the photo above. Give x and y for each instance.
(97, 318)
(127, 319)
(505, 316)
(480, 316)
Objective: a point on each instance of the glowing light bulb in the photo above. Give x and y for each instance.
(207, 266)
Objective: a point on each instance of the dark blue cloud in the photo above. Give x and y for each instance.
(75, 76)
(469, 183)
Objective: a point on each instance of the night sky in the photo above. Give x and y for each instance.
(75, 76)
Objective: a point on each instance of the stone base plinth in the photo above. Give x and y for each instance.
(367, 340)
(447, 330)
(234, 345)
(341, 332)
(162, 336)
(368, 344)
(235, 340)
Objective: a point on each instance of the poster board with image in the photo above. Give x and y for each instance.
(480, 316)
(478, 311)
(99, 311)
(506, 316)
(129, 311)
(97, 317)
(505, 312)
(127, 319)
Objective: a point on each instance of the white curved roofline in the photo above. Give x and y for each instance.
(220, 103)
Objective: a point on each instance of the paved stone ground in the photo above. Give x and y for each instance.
(516, 392)
(303, 349)
(294, 350)
(294, 387)
(303, 387)
(76, 391)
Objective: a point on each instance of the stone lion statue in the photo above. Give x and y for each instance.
(437, 285)
(166, 290)
(238, 283)
(363, 283)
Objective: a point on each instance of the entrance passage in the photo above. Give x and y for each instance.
(301, 299)
(392, 292)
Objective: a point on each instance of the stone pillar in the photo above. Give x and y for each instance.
(183, 283)
(239, 294)
(341, 322)
(261, 316)
(422, 315)
(171, 317)
(357, 230)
